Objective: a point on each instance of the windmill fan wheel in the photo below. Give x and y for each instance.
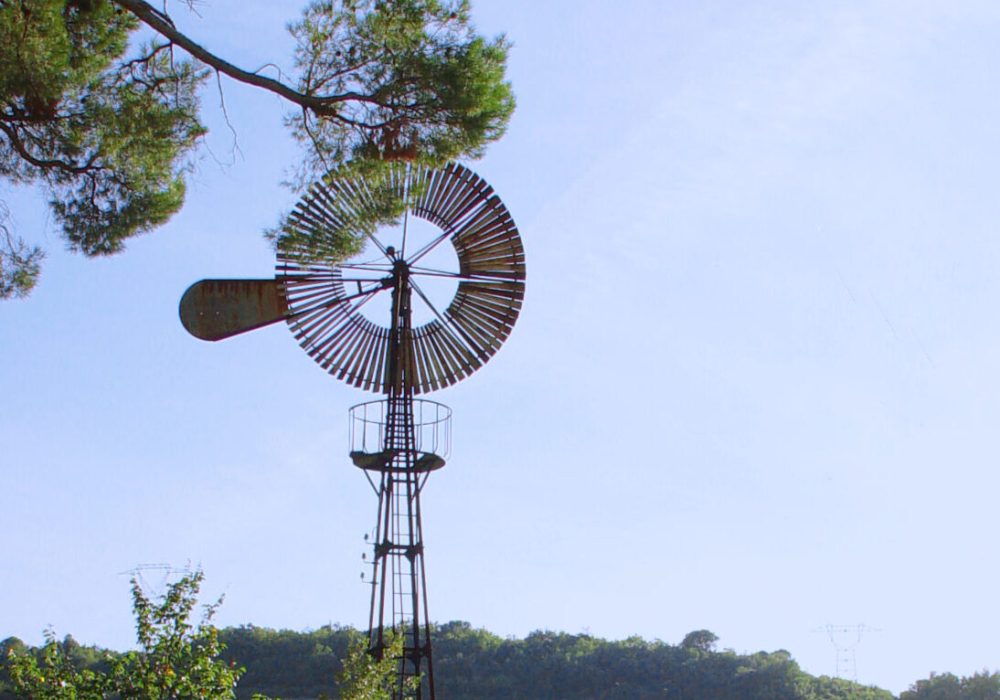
(325, 295)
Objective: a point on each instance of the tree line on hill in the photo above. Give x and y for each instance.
(474, 664)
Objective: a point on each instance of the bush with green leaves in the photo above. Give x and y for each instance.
(176, 657)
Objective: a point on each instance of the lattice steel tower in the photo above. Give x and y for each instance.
(845, 640)
(399, 439)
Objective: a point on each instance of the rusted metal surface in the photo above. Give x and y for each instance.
(217, 309)
(382, 461)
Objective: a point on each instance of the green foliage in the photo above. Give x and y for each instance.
(20, 264)
(473, 664)
(702, 640)
(380, 206)
(104, 131)
(946, 686)
(54, 675)
(286, 663)
(470, 664)
(365, 677)
(429, 88)
(175, 659)
(432, 91)
(107, 126)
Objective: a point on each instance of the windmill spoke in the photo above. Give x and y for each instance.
(378, 244)
(402, 246)
(377, 280)
(430, 272)
(357, 306)
(365, 295)
(427, 301)
(428, 247)
(470, 344)
(367, 265)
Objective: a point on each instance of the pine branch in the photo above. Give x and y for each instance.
(161, 24)
(44, 163)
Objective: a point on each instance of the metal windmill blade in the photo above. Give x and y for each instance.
(324, 297)
(321, 296)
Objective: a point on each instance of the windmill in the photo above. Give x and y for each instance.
(397, 440)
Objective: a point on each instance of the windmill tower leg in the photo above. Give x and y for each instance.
(398, 442)
(399, 590)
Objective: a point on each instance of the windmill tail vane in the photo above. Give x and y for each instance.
(398, 440)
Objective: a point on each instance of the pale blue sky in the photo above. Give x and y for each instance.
(754, 387)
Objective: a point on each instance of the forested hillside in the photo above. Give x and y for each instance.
(473, 664)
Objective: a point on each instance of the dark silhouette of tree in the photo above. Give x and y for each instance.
(702, 640)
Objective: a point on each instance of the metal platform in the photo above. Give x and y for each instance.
(431, 435)
(381, 461)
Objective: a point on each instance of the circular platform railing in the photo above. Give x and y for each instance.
(431, 434)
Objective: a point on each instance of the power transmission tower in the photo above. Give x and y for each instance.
(845, 640)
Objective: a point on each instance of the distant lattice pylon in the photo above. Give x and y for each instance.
(845, 640)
